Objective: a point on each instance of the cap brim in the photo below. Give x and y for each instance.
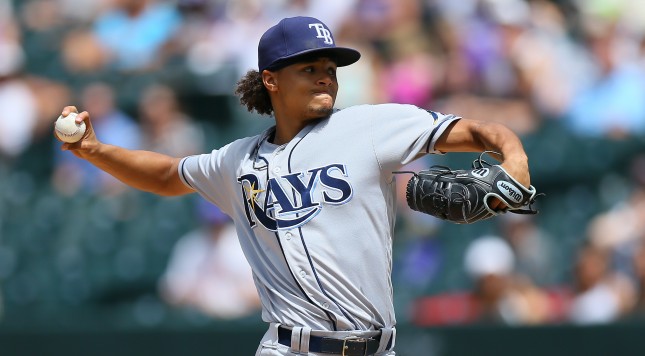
(342, 56)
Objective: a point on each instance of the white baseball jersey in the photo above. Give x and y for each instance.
(315, 216)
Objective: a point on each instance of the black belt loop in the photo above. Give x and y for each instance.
(351, 346)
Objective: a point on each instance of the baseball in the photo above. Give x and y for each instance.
(68, 130)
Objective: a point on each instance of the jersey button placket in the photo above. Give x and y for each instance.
(276, 153)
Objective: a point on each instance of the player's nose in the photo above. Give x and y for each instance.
(325, 80)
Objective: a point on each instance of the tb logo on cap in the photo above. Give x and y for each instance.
(322, 32)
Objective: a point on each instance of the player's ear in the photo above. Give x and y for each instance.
(270, 81)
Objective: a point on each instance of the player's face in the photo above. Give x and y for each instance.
(308, 89)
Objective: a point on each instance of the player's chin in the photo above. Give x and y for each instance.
(321, 108)
(319, 113)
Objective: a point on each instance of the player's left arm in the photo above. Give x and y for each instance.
(466, 135)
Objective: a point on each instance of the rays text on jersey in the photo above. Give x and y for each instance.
(291, 200)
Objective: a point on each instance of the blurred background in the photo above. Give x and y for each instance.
(91, 267)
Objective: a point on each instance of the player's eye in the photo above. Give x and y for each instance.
(332, 72)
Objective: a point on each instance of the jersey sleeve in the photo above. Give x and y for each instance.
(401, 133)
(207, 175)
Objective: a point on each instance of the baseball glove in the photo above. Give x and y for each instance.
(462, 196)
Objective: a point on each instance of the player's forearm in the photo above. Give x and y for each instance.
(476, 136)
(497, 137)
(144, 170)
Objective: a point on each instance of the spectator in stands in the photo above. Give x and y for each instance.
(500, 295)
(481, 73)
(600, 295)
(218, 50)
(550, 67)
(638, 246)
(16, 96)
(621, 228)
(166, 127)
(207, 270)
(532, 247)
(613, 105)
(638, 261)
(638, 265)
(134, 32)
(410, 67)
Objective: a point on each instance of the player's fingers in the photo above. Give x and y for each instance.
(84, 116)
(69, 109)
(74, 146)
(497, 204)
(89, 130)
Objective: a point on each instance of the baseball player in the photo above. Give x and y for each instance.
(313, 197)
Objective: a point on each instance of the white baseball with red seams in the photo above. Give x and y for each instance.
(67, 130)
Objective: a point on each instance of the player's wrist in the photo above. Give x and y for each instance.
(516, 158)
(517, 165)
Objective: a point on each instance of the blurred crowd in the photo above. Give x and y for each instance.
(159, 75)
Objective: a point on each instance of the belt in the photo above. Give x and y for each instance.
(353, 346)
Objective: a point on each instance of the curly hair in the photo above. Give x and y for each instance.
(253, 94)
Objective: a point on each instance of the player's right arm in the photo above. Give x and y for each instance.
(144, 170)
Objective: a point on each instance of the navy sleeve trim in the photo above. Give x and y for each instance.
(183, 174)
(436, 129)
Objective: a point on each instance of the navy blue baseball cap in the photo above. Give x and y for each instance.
(296, 37)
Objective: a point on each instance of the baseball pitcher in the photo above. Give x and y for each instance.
(313, 197)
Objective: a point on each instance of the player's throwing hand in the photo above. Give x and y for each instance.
(87, 142)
